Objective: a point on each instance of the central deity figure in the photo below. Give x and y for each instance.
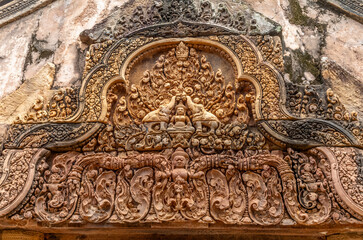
(180, 121)
(180, 193)
(181, 95)
(180, 127)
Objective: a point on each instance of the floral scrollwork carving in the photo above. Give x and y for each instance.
(17, 173)
(178, 185)
(289, 190)
(312, 192)
(133, 198)
(346, 178)
(227, 195)
(181, 72)
(264, 196)
(312, 101)
(172, 134)
(97, 194)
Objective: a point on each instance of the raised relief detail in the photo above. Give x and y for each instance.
(180, 102)
(183, 130)
(242, 188)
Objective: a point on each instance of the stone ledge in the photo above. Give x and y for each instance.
(353, 8)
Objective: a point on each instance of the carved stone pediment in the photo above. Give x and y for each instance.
(180, 18)
(196, 128)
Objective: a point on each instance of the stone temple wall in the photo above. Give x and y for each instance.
(49, 35)
(238, 119)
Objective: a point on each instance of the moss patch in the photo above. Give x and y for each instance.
(45, 53)
(308, 63)
(298, 63)
(297, 16)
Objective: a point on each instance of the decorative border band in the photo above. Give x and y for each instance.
(17, 9)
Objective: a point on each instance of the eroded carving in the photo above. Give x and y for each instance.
(61, 106)
(188, 17)
(183, 129)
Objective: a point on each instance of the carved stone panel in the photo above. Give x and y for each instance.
(199, 128)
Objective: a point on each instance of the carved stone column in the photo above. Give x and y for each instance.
(21, 235)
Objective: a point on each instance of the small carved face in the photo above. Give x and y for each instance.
(218, 141)
(165, 141)
(312, 196)
(179, 162)
(178, 187)
(308, 167)
(141, 114)
(180, 111)
(157, 138)
(148, 182)
(235, 130)
(227, 142)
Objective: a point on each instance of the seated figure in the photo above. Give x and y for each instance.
(180, 121)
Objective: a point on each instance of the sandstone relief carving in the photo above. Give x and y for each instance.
(197, 128)
(244, 188)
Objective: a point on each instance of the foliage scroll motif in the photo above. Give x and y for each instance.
(189, 129)
(60, 107)
(153, 187)
(182, 70)
(228, 196)
(346, 177)
(308, 101)
(97, 195)
(180, 102)
(265, 201)
(141, 183)
(18, 169)
(289, 191)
